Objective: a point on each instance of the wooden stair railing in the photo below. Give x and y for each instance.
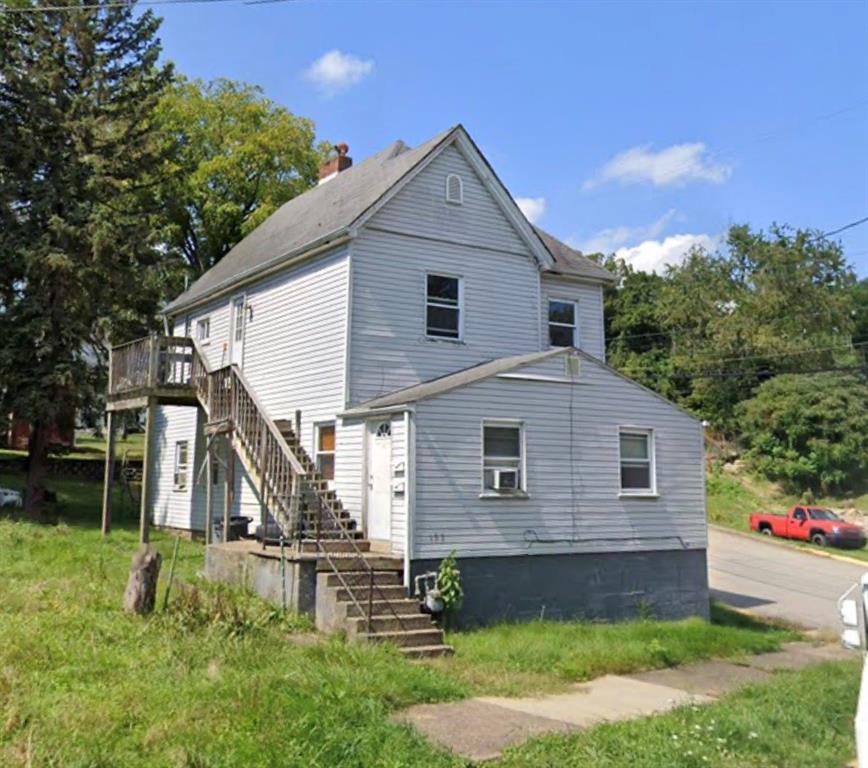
(227, 397)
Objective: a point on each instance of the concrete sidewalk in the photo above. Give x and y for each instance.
(481, 728)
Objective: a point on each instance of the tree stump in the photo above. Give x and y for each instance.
(141, 592)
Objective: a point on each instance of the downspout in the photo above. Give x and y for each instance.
(409, 491)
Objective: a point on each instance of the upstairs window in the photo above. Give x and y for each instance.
(325, 451)
(182, 455)
(203, 329)
(454, 189)
(443, 307)
(502, 458)
(562, 323)
(637, 461)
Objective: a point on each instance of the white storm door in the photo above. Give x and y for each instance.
(236, 338)
(379, 499)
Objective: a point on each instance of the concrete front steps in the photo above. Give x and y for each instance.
(342, 603)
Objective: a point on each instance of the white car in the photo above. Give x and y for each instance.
(10, 498)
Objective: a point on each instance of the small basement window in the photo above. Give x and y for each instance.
(443, 307)
(637, 461)
(502, 458)
(562, 323)
(203, 329)
(325, 450)
(454, 189)
(182, 455)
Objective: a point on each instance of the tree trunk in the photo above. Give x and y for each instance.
(37, 455)
(141, 592)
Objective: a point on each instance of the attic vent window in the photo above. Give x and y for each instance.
(454, 189)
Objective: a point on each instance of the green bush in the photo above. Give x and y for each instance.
(811, 432)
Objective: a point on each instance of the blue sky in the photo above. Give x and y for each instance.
(643, 127)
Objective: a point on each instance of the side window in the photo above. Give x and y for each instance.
(443, 299)
(799, 514)
(563, 324)
(502, 458)
(637, 461)
(325, 450)
(181, 464)
(203, 329)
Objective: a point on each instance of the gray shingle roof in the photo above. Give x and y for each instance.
(454, 380)
(318, 215)
(570, 262)
(327, 211)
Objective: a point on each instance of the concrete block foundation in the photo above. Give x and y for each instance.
(247, 565)
(608, 586)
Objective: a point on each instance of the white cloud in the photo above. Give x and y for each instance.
(673, 166)
(532, 207)
(654, 255)
(336, 70)
(609, 240)
(650, 253)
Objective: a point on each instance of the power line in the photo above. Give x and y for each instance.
(753, 374)
(842, 229)
(852, 347)
(682, 330)
(128, 4)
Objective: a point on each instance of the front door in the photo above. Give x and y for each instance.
(379, 500)
(236, 338)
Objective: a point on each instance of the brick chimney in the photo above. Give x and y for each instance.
(337, 161)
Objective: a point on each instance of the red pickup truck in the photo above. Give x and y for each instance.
(815, 524)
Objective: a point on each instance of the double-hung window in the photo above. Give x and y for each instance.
(203, 329)
(443, 298)
(182, 463)
(325, 451)
(502, 458)
(637, 461)
(562, 323)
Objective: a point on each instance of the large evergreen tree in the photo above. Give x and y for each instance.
(78, 91)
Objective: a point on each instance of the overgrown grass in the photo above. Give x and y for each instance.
(223, 679)
(799, 720)
(511, 659)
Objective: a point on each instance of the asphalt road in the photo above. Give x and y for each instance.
(779, 582)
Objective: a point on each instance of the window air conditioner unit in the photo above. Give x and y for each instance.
(506, 479)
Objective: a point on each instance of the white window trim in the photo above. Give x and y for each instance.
(460, 200)
(181, 470)
(317, 452)
(522, 491)
(641, 493)
(447, 339)
(575, 326)
(207, 339)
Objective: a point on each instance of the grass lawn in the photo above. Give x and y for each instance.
(89, 447)
(798, 720)
(223, 679)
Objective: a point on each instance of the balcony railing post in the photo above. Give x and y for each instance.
(153, 360)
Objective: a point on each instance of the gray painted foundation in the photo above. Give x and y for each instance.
(251, 568)
(610, 586)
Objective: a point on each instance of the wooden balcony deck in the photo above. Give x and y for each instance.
(161, 367)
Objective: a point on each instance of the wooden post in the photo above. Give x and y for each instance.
(144, 511)
(228, 487)
(153, 360)
(108, 480)
(209, 491)
(263, 510)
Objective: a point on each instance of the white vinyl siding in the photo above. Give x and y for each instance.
(588, 299)
(421, 209)
(572, 469)
(389, 348)
(172, 506)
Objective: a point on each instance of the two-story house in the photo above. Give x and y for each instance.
(447, 359)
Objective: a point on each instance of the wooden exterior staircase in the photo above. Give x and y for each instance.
(360, 592)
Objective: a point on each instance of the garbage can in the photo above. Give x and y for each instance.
(237, 528)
